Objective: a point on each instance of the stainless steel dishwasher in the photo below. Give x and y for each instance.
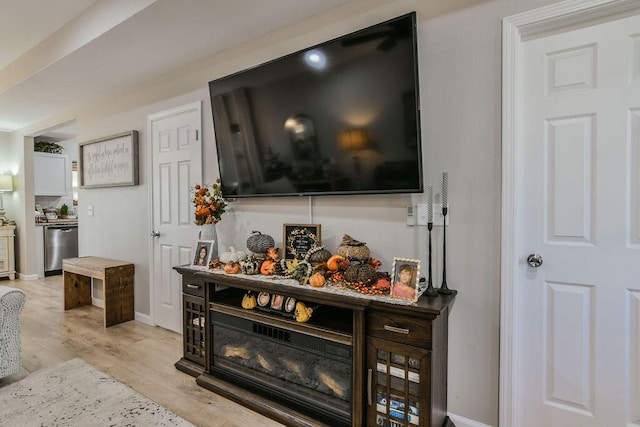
(60, 242)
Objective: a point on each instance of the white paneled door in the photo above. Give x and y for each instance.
(176, 167)
(577, 314)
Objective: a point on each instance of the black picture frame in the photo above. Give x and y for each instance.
(298, 239)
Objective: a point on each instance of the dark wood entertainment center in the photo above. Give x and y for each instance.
(358, 361)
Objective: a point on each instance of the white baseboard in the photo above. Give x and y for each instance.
(27, 276)
(465, 422)
(144, 318)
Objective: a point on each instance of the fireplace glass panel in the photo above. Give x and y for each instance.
(313, 374)
(300, 366)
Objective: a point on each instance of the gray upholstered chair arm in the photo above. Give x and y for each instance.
(11, 304)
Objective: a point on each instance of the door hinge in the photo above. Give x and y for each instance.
(197, 137)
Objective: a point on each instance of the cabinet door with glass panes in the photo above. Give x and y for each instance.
(398, 378)
(194, 333)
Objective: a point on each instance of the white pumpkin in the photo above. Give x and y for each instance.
(232, 256)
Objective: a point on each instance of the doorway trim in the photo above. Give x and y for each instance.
(516, 30)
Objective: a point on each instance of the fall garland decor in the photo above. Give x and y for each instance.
(209, 203)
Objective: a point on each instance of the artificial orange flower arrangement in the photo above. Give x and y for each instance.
(209, 203)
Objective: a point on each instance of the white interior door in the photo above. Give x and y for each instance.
(176, 149)
(576, 328)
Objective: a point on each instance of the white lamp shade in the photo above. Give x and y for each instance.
(6, 183)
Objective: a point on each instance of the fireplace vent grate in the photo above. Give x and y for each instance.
(271, 332)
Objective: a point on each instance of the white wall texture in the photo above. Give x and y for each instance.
(460, 78)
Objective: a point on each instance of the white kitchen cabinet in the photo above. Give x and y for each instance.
(52, 174)
(7, 260)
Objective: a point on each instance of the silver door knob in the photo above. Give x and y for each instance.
(534, 260)
(155, 234)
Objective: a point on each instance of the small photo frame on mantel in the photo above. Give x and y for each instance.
(202, 254)
(404, 281)
(298, 239)
(277, 301)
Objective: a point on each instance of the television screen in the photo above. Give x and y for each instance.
(341, 117)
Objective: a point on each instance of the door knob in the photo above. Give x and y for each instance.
(155, 233)
(534, 260)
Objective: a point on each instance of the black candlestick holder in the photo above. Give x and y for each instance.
(431, 291)
(443, 288)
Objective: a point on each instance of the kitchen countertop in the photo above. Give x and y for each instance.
(59, 221)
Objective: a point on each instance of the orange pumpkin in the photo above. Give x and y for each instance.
(268, 267)
(334, 262)
(317, 280)
(232, 268)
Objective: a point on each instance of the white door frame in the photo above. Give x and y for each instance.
(515, 30)
(151, 118)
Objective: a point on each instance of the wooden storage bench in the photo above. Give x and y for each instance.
(117, 286)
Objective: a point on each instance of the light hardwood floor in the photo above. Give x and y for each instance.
(135, 354)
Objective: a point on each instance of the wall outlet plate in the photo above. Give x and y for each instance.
(411, 217)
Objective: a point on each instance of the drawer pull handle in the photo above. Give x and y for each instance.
(396, 330)
(193, 286)
(369, 380)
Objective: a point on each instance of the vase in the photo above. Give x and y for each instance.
(208, 232)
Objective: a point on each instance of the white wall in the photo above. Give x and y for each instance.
(8, 165)
(460, 77)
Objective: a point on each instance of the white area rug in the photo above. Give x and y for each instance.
(75, 393)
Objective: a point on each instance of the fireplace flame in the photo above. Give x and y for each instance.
(231, 351)
(264, 363)
(331, 383)
(293, 367)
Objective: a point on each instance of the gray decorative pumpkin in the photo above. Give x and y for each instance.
(259, 243)
(319, 255)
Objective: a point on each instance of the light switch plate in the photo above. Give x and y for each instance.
(90, 210)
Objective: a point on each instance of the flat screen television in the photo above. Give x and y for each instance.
(341, 117)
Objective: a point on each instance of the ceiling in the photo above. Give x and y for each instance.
(57, 55)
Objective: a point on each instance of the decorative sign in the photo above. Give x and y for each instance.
(299, 239)
(109, 162)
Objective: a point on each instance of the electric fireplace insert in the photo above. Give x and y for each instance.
(309, 368)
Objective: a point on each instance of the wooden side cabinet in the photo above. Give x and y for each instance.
(398, 375)
(194, 336)
(7, 256)
(407, 364)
